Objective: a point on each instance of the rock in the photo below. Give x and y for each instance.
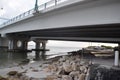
(2, 78)
(62, 59)
(88, 75)
(82, 76)
(35, 70)
(24, 77)
(83, 69)
(67, 67)
(13, 78)
(60, 71)
(51, 68)
(74, 73)
(66, 77)
(19, 75)
(40, 65)
(33, 78)
(24, 62)
(25, 71)
(102, 72)
(74, 66)
(12, 73)
(51, 77)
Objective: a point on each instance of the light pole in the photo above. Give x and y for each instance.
(1, 11)
(36, 6)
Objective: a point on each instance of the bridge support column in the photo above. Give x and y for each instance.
(43, 55)
(4, 42)
(17, 43)
(37, 53)
(40, 49)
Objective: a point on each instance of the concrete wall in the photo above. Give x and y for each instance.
(4, 42)
(87, 13)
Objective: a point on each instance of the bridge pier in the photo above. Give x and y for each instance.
(17, 44)
(14, 43)
(4, 42)
(37, 55)
(40, 49)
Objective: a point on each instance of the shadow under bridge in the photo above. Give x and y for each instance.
(94, 33)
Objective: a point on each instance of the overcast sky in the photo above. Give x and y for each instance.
(12, 8)
(74, 43)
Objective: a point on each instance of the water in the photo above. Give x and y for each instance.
(9, 59)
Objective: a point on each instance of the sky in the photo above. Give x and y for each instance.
(74, 43)
(12, 8)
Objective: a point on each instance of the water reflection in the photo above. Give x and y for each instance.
(40, 55)
(9, 59)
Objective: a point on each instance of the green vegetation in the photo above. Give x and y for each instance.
(102, 47)
(107, 47)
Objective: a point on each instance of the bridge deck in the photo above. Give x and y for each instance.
(99, 33)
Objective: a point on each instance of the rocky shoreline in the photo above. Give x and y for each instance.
(69, 67)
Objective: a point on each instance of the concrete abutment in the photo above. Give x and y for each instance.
(4, 42)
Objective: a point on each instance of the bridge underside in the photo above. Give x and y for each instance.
(96, 33)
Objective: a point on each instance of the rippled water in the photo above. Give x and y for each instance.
(9, 59)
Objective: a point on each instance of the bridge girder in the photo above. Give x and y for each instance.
(96, 33)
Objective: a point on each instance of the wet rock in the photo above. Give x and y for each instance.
(51, 77)
(51, 68)
(35, 70)
(74, 66)
(25, 71)
(98, 72)
(82, 76)
(2, 78)
(24, 77)
(24, 62)
(66, 77)
(88, 75)
(13, 78)
(60, 71)
(67, 66)
(74, 73)
(83, 69)
(19, 75)
(12, 73)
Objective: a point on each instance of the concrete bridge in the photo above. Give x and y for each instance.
(78, 20)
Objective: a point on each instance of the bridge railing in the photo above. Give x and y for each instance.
(31, 11)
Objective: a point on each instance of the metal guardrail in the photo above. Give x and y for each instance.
(31, 11)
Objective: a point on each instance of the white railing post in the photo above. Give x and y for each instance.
(116, 58)
(55, 2)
